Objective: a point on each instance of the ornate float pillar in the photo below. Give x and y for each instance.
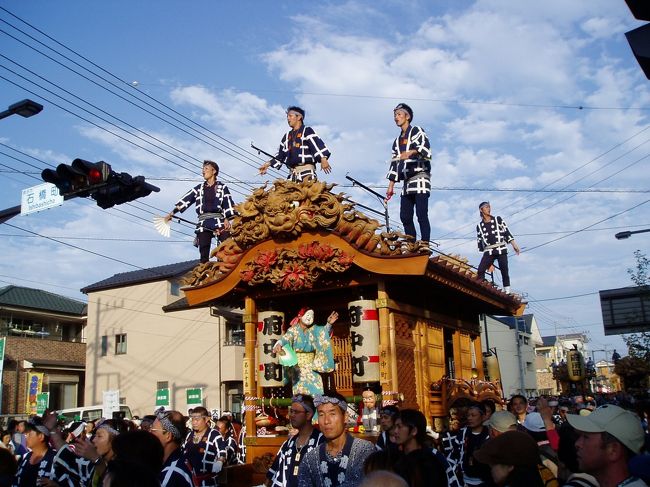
(250, 384)
(387, 357)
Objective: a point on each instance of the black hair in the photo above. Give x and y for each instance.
(214, 165)
(415, 419)
(139, 446)
(129, 473)
(477, 405)
(514, 396)
(294, 108)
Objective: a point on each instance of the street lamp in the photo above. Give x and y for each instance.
(24, 108)
(628, 233)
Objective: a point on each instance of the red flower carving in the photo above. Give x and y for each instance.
(266, 259)
(293, 277)
(247, 275)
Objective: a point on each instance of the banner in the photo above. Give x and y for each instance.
(34, 388)
(42, 403)
(364, 334)
(162, 397)
(194, 396)
(110, 403)
(269, 331)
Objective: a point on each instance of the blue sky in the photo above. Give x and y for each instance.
(495, 84)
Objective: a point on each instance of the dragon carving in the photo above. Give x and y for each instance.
(282, 213)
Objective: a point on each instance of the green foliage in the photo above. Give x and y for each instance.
(638, 344)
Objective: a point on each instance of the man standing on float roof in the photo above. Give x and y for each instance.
(493, 235)
(300, 149)
(411, 163)
(214, 207)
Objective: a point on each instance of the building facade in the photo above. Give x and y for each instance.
(553, 351)
(514, 339)
(138, 349)
(44, 349)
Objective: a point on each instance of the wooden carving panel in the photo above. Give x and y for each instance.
(435, 352)
(406, 360)
(343, 358)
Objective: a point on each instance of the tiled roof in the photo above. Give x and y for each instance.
(25, 297)
(463, 272)
(524, 323)
(549, 341)
(141, 276)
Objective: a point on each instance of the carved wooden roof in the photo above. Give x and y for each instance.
(296, 236)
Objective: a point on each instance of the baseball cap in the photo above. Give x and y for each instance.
(534, 422)
(501, 421)
(623, 425)
(511, 448)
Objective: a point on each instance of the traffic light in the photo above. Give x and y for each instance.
(99, 181)
(79, 179)
(122, 188)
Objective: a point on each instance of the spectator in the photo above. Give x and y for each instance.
(534, 426)
(37, 463)
(8, 467)
(201, 449)
(139, 447)
(125, 473)
(339, 460)
(147, 422)
(100, 450)
(383, 478)
(608, 438)
(500, 422)
(225, 442)
(469, 439)
(387, 421)
(286, 466)
(169, 428)
(519, 407)
(490, 408)
(418, 466)
(513, 459)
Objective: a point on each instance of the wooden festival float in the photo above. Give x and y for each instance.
(408, 322)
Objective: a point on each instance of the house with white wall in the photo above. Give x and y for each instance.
(136, 348)
(513, 340)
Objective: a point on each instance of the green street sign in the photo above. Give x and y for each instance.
(194, 396)
(162, 397)
(42, 402)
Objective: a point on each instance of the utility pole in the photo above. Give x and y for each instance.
(522, 385)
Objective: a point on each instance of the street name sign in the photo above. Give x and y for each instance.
(40, 197)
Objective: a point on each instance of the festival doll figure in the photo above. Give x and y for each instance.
(313, 348)
(370, 412)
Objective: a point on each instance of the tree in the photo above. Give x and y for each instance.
(635, 368)
(638, 344)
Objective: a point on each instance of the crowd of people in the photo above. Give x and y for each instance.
(584, 442)
(165, 449)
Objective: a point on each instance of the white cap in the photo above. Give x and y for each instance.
(623, 425)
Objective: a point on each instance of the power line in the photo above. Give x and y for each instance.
(588, 226)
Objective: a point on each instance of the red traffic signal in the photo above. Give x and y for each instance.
(79, 179)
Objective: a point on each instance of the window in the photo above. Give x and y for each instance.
(234, 333)
(120, 344)
(104, 350)
(162, 384)
(175, 288)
